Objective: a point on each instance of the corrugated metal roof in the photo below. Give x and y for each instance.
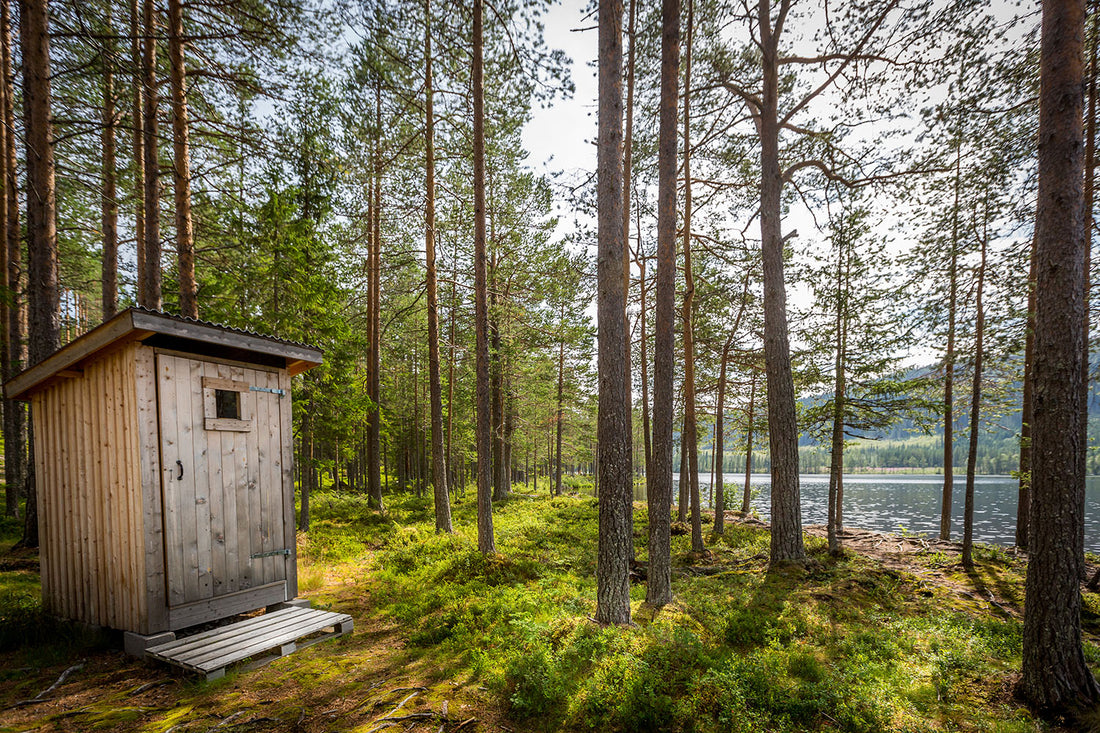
(132, 322)
(224, 327)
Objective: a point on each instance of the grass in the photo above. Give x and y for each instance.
(837, 644)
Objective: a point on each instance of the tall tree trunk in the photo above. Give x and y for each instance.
(43, 295)
(485, 540)
(15, 423)
(307, 475)
(109, 208)
(374, 355)
(509, 433)
(181, 168)
(659, 579)
(840, 393)
(691, 437)
(11, 490)
(644, 357)
(1055, 675)
(1023, 503)
(151, 274)
(561, 401)
(975, 405)
(138, 125)
(628, 157)
(613, 429)
(1089, 189)
(684, 484)
(496, 391)
(14, 438)
(439, 468)
(42, 288)
(451, 367)
(786, 510)
(747, 492)
(949, 358)
(718, 460)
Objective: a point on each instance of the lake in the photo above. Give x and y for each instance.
(890, 503)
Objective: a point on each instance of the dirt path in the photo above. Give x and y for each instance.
(367, 681)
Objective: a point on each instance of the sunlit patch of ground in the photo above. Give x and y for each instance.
(893, 635)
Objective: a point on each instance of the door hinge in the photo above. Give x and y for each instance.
(270, 553)
(279, 392)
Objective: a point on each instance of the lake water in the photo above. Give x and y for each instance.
(889, 503)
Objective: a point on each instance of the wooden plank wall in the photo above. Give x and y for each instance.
(90, 495)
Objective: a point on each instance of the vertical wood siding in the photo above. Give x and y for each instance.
(90, 487)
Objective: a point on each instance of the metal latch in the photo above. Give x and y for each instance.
(269, 390)
(270, 553)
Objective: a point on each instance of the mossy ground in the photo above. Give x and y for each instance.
(507, 642)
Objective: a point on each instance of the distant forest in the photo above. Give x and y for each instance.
(906, 446)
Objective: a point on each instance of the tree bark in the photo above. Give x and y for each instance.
(975, 405)
(628, 157)
(718, 460)
(151, 274)
(138, 125)
(786, 510)
(496, 389)
(11, 490)
(613, 429)
(691, 437)
(451, 372)
(42, 288)
(374, 355)
(109, 203)
(840, 387)
(659, 578)
(1023, 503)
(644, 357)
(439, 468)
(15, 422)
(307, 477)
(44, 304)
(561, 402)
(181, 168)
(747, 493)
(949, 358)
(1089, 189)
(1055, 675)
(485, 541)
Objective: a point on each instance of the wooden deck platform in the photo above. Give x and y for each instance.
(260, 638)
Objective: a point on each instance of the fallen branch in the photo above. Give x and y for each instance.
(41, 697)
(60, 680)
(400, 705)
(149, 686)
(225, 721)
(410, 716)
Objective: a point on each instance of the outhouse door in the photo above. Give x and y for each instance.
(222, 459)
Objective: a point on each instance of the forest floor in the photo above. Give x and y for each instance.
(894, 635)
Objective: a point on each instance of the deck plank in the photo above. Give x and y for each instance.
(277, 633)
(238, 638)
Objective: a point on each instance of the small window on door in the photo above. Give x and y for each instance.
(226, 404)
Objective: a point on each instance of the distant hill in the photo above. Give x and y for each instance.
(905, 448)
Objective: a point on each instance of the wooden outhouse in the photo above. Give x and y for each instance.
(163, 461)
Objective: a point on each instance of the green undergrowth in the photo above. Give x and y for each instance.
(24, 623)
(836, 644)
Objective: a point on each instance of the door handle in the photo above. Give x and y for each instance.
(179, 465)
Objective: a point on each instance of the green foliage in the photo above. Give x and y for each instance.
(841, 644)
